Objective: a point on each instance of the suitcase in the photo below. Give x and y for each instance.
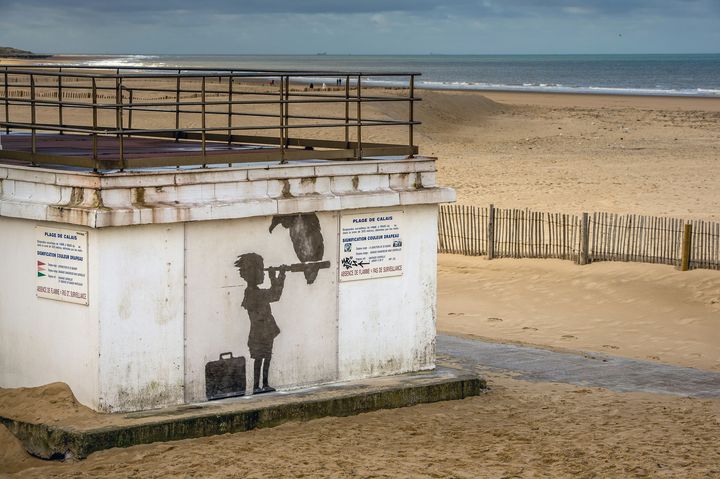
(225, 377)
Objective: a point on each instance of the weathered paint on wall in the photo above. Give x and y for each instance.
(387, 325)
(141, 306)
(43, 340)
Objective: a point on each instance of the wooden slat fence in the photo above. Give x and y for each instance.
(462, 230)
(705, 245)
(497, 233)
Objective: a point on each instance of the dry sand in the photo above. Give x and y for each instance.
(575, 153)
(49, 404)
(642, 311)
(558, 153)
(518, 429)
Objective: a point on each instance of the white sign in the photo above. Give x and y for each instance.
(371, 245)
(61, 264)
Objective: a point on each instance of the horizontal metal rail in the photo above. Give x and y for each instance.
(108, 106)
(140, 131)
(206, 72)
(86, 103)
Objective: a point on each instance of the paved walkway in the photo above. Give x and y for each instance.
(583, 369)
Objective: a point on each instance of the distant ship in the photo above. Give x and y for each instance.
(321, 53)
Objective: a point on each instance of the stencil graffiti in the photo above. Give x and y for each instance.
(263, 328)
(308, 245)
(307, 242)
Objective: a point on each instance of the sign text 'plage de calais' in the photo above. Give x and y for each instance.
(61, 263)
(371, 245)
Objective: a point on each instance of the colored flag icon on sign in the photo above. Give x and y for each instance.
(40, 269)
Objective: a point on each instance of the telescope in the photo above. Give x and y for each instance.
(309, 268)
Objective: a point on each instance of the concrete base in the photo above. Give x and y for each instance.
(78, 440)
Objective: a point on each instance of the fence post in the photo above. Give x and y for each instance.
(584, 239)
(686, 248)
(491, 233)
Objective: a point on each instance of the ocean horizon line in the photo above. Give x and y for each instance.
(695, 75)
(429, 54)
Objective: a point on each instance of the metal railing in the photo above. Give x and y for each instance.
(225, 114)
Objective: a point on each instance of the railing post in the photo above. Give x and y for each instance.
(230, 109)
(7, 102)
(117, 105)
(119, 120)
(686, 248)
(287, 111)
(584, 239)
(491, 233)
(33, 116)
(177, 107)
(358, 152)
(95, 118)
(411, 116)
(60, 100)
(130, 109)
(283, 131)
(347, 111)
(202, 114)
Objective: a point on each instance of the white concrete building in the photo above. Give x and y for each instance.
(130, 286)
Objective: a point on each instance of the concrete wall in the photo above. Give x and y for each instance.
(167, 299)
(42, 340)
(387, 325)
(140, 273)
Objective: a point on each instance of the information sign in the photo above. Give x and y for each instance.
(61, 264)
(371, 245)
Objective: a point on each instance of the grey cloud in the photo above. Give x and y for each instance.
(483, 8)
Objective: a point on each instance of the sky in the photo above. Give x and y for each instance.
(361, 26)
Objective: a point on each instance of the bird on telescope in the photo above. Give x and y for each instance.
(307, 240)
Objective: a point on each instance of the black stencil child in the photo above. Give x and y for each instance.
(263, 328)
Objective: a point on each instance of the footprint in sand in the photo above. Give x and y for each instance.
(495, 320)
(528, 328)
(568, 336)
(456, 314)
(610, 346)
(655, 358)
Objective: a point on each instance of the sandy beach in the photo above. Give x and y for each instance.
(518, 429)
(551, 152)
(642, 311)
(573, 153)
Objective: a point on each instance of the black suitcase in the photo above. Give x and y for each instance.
(225, 377)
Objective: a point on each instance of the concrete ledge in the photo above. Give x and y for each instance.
(170, 196)
(79, 439)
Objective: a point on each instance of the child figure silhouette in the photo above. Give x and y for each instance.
(263, 328)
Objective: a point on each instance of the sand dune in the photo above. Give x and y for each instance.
(643, 311)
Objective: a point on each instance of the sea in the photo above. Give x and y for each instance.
(654, 75)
